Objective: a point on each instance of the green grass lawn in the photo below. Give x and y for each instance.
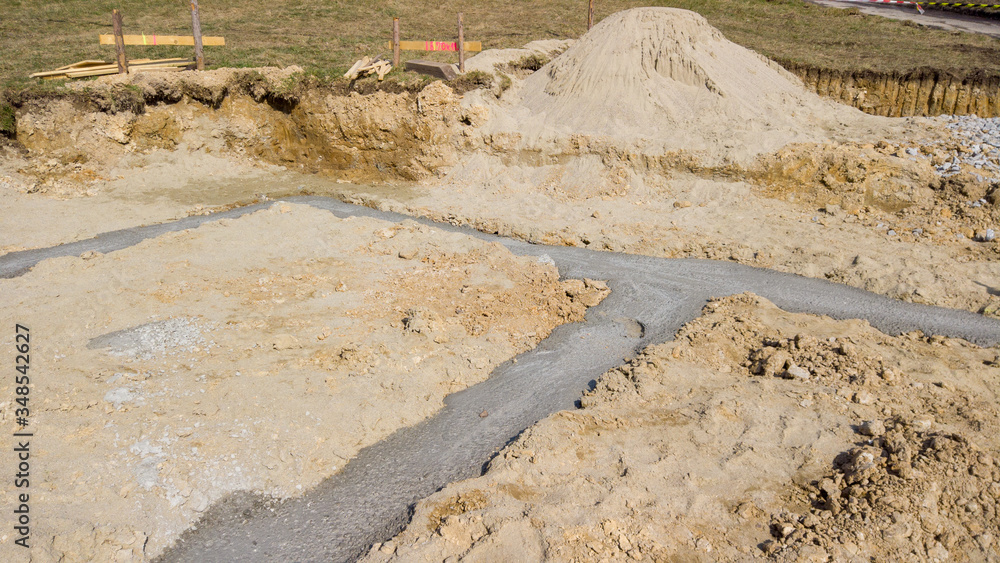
(325, 37)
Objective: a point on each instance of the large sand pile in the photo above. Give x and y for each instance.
(664, 79)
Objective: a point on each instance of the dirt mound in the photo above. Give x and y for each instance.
(916, 493)
(665, 78)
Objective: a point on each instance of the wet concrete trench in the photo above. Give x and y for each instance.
(371, 499)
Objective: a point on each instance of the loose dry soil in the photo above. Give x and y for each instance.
(756, 433)
(261, 353)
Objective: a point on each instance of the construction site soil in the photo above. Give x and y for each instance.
(262, 353)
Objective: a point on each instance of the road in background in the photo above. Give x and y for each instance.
(939, 19)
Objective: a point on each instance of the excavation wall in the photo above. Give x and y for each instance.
(265, 114)
(923, 92)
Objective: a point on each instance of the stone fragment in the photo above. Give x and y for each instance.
(796, 372)
(872, 428)
(863, 398)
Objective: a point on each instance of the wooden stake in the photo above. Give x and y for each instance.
(116, 24)
(461, 44)
(395, 41)
(590, 16)
(199, 54)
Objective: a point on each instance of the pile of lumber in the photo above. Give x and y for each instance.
(84, 69)
(367, 66)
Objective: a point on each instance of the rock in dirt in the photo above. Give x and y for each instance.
(796, 372)
(872, 428)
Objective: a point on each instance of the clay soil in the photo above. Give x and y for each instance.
(262, 353)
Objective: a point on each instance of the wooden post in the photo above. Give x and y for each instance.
(199, 54)
(461, 44)
(116, 24)
(590, 16)
(395, 41)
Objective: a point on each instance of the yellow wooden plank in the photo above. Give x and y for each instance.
(62, 72)
(99, 71)
(48, 74)
(80, 70)
(113, 69)
(82, 64)
(170, 65)
(140, 62)
(157, 69)
(163, 40)
(352, 73)
(470, 46)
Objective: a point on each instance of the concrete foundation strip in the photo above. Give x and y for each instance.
(370, 499)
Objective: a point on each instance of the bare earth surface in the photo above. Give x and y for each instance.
(253, 354)
(756, 433)
(262, 353)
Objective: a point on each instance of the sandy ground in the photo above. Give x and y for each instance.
(290, 306)
(252, 354)
(757, 433)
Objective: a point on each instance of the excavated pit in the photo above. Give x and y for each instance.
(268, 115)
